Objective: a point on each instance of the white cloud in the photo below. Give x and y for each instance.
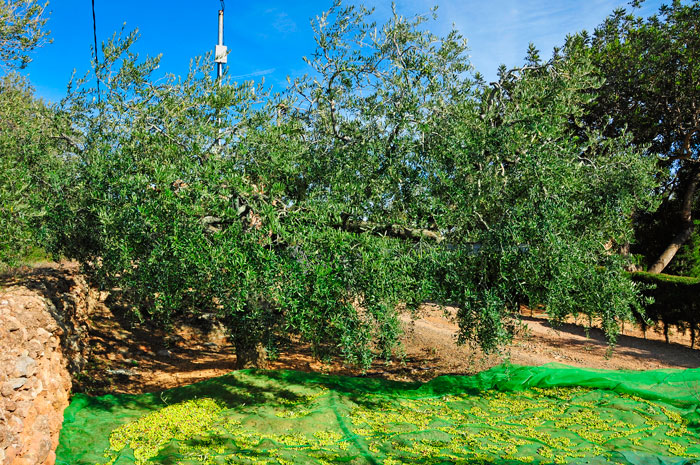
(261, 72)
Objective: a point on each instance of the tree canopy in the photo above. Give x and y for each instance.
(651, 71)
(28, 133)
(21, 31)
(386, 177)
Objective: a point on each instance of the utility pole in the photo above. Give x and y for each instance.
(220, 52)
(220, 59)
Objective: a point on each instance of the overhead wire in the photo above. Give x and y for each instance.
(97, 61)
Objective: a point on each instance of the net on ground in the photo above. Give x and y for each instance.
(507, 415)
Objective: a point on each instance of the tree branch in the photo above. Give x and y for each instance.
(391, 230)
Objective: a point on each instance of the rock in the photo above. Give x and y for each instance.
(41, 425)
(41, 342)
(35, 348)
(164, 353)
(12, 324)
(121, 372)
(24, 405)
(16, 423)
(42, 334)
(6, 389)
(25, 366)
(30, 384)
(14, 384)
(52, 343)
(36, 387)
(10, 454)
(43, 450)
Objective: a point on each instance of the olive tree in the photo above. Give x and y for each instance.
(385, 177)
(186, 194)
(508, 205)
(29, 135)
(530, 206)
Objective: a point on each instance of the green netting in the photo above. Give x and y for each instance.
(507, 415)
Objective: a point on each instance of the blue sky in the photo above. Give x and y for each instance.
(269, 38)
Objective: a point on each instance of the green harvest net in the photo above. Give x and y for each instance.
(507, 415)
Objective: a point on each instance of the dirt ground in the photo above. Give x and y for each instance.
(130, 360)
(127, 358)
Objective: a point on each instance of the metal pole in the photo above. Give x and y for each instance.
(220, 58)
(220, 64)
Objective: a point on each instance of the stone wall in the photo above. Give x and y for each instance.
(42, 343)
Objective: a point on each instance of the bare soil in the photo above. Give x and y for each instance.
(539, 342)
(130, 358)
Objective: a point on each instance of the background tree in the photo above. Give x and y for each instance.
(28, 133)
(384, 178)
(28, 157)
(652, 74)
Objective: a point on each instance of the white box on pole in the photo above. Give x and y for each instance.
(220, 54)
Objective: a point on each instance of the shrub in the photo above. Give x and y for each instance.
(675, 301)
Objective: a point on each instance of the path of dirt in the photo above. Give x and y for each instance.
(540, 343)
(129, 358)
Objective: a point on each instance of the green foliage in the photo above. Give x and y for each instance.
(28, 158)
(660, 278)
(386, 177)
(29, 135)
(185, 225)
(674, 301)
(21, 31)
(651, 69)
(496, 170)
(538, 201)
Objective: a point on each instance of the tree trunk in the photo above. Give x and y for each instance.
(250, 355)
(684, 234)
(625, 252)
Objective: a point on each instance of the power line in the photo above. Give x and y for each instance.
(97, 61)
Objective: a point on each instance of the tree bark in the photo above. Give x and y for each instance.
(250, 355)
(392, 230)
(684, 234)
